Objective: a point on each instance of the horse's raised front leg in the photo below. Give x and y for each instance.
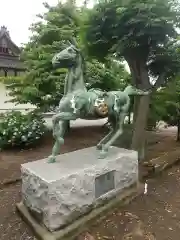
(60, 126)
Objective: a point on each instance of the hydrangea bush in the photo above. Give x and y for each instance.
(20, 130)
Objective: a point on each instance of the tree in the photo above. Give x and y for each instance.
(108, 77)
(43, 86)
(168, 100)
(143, 32)
(156, 111)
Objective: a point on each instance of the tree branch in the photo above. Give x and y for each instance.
(160, 80)
(139, 74)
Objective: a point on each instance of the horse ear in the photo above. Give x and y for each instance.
(74, 42)
(76, 49)
(68, 42)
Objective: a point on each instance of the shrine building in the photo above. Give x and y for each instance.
(10, 64)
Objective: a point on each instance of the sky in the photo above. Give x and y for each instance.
(17, 16)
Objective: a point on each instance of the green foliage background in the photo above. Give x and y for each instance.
(42, 85)
(142, 32)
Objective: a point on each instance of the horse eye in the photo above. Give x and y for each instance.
(70, 50)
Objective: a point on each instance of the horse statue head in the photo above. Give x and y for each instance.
(72, 59)
(66, 58)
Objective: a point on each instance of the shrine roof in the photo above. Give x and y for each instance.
(4, 33)
(11, 63)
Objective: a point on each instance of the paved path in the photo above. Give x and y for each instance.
(80, 122)
(76, 123)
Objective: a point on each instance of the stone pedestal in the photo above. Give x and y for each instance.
(58, 194)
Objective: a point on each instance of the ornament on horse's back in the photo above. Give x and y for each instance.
(101, 107)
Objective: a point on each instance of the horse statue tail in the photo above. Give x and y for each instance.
(132, 91)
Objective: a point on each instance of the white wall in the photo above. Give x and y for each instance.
(4, 97)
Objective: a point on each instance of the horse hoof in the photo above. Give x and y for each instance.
(99, 147)
(61, 140)
(103, 154)
(51, 159)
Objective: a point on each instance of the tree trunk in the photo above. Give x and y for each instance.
(140, 79)
(135, 108)
(178, 130)
(139, 134)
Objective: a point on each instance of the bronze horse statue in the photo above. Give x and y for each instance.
(78, 102)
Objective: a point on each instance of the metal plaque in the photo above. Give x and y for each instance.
(104, 183)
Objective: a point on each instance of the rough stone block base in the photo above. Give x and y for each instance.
(74, 229)
(60, 193)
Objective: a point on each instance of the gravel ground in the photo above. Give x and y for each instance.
(152, 216)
